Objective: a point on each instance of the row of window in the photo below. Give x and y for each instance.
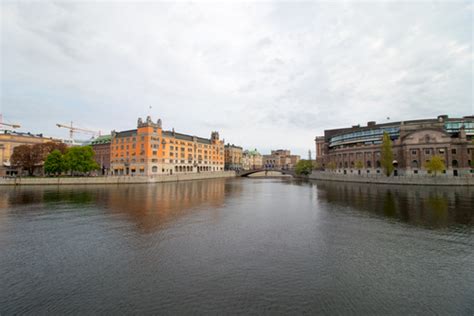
(154, 169)
(394, 132)
(429, 151)
(189, 161)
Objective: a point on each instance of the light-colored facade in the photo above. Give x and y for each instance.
(252, 159)
(150, 150)
(233, 157)
(280, 159)
(9, 140)
(414, 143)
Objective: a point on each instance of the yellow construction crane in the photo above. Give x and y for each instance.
(7, 124)
(73, 130)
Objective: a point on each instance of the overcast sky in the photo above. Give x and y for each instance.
(265, 75)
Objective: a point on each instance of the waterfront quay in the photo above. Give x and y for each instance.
(115, 179)
(443, 180)
(236, 246)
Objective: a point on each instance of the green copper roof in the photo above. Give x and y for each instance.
(252, 152)
(105, 139)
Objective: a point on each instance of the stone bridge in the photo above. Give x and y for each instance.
(245, 173)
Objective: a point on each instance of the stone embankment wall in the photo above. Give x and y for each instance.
(381, 179)
(116, 179)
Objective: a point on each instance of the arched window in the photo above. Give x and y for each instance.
(369, 164)
(154, 169)
(454, 163)
(377, 163)
(414, 164)
(176, 168)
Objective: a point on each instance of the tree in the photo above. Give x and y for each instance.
(304, 167)
(435, 164)
(317, 165)
(50, 146)
(28, 157)
(359, 164)
(54, 163)
(21, 158)
(80, 159)
(332, 165)
(387, 154)
(472, 155)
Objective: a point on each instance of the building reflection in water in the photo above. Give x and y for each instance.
(148, 205)
(419, 205)
(152, 206)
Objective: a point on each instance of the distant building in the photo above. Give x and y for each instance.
(75, 142)
(280, 159)
(414, 143)
(233, 157)
(150, 150)
(251, 159)
(9, 140)
(101, 147)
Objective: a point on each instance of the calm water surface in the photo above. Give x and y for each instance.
(254, 246)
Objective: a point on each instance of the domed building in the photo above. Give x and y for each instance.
(357, 149)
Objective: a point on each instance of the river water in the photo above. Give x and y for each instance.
(228, 246)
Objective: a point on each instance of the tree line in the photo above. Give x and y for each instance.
(54, 159)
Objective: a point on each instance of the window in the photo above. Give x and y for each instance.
(441, 150)
(453, 151)
(427, 151)
(413, 152)
(154, 169)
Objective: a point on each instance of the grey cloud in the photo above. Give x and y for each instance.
(266, 75)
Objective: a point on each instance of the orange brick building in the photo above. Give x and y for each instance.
(149, 150)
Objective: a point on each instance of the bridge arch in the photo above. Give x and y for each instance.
(246, 173)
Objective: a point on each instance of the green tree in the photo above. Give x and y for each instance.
(332, 165)
(472, 155)
(359, 164)
(304, 167)
(54, 163)
(317, 165)
(387, 154)
(435, 164)
(80, 160)
(31, 157)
